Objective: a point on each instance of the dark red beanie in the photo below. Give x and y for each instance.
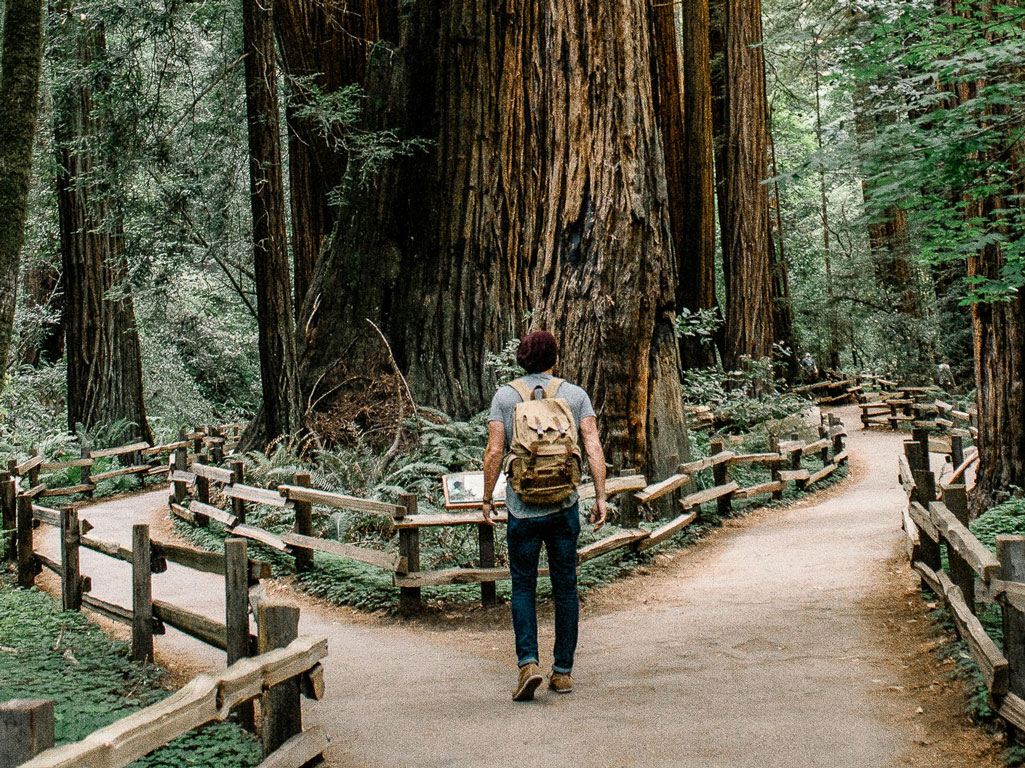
(537, 351)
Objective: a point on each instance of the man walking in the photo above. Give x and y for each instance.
(538, 418)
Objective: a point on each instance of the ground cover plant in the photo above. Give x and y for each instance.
(47, 653)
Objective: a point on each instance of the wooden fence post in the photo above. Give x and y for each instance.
(824, 452)
(956, 450)
(629, 510)
(71, 576)
(795, 461)
(27, 565)
(774, 447)
(26, 729)
(409, 548)
(955, 498)
(925, 494)
(721, 476)
(181, 464)
(216, 446)
(236, 619)
(202, 494)
(486, 544)
(303, 525)
(33, 474)
(1011, 553)
(142, 595)
(921, 436)
(280, 706)
(86, 472)
(8, 514)
(238, 506)
(197, 441)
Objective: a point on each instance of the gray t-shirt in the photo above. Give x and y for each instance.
(502, 406)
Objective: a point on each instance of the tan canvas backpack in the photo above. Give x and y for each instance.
(544, 462)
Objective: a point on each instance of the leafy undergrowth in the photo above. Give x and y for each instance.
(48, 653)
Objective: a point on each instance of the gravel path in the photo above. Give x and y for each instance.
(760, 647)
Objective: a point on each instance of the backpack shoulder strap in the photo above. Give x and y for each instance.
(553, 387)
(521, 389)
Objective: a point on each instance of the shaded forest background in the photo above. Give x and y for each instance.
(268, 211)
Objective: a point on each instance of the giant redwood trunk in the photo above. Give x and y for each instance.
(22, 51)
(749, 325)
(103, 357)
(280, 409)
(324, 45)
(542, 190)
(696, 253)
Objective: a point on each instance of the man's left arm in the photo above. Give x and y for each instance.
(596, 463)
(492, 466)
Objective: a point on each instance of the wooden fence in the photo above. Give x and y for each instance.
(288, 667)
(936, 519)
(194, 488)
(138, 459)
(277, 626)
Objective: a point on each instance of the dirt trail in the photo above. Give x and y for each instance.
(792, 638)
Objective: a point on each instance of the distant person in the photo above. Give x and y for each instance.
(808, 366)
(540, 410)
(944, 376)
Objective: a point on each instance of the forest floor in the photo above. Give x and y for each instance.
(790, 638)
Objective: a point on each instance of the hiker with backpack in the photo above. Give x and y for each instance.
(542, 420)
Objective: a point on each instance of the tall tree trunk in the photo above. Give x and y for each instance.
(782, 306)
(22, 51)
(833, 347)
(695, 252)
(542, 190)
(43, 294)
(280, 408)
(749, 325)
(103, 356)
(324, 45)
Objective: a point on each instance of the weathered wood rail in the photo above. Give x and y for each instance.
(935, 521)
(195, 486)
(138, 459)
(288, 667)
(269, 676)
(146, 617)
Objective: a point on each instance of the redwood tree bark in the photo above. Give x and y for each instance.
(103, 357)
(696, 252)
(749, 325)
(325, 44)
(280, 411)
(542, 190)
(22, 51)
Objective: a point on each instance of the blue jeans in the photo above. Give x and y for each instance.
(559, 533)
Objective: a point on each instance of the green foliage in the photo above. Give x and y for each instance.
(1006, 518)
(701, 324)
(50, 654)
(743, 398)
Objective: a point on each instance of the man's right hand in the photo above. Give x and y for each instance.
(599, 514)
(488, 508)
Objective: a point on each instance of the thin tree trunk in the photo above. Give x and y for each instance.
(695, 249)
(749, 321)
(103, 355)
(324, 44)
(280, 409)
(833, 349)
(782, 306)
(21, 51)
